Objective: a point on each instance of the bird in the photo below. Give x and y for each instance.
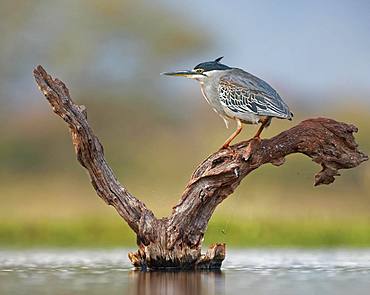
(235, 94)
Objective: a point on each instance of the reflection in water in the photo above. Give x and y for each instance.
(181, 283)
(253, 271)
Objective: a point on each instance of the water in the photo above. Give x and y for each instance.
(256, 272)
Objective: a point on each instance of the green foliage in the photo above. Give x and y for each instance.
(76, 233)
(102, 232)
(290, 233)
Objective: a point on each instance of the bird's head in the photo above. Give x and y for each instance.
(202, 71)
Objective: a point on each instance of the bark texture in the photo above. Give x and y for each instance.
(176, 241)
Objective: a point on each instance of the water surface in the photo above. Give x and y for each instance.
(262, 271)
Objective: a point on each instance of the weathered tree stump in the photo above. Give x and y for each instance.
(175, 241)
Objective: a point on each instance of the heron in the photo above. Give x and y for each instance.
(235, 94)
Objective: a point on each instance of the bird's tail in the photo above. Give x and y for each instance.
(291, 116)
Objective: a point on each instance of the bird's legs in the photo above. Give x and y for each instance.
(265, 121)
(232, 136)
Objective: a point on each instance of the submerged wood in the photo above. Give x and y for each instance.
(175, 241)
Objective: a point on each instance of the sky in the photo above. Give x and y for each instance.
(309, 51)
(313, 48)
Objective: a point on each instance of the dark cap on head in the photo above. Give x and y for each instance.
(212, 65)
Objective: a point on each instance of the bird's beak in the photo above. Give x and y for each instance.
(187, 74)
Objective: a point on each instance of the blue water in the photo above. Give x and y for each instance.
(262, 271)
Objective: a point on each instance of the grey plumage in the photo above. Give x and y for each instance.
(242, 92)
(236, 94)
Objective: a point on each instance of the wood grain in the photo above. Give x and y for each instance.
(175, 241)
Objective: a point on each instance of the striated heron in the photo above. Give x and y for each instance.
(238, 95)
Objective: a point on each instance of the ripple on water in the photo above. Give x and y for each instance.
(264, 271)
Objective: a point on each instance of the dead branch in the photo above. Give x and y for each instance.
(176, 241)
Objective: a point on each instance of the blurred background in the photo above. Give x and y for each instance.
(156, 130)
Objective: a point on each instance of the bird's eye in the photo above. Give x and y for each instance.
(200, 71)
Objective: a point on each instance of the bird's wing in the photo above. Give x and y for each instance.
(242, 92)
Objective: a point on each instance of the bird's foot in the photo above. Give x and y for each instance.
(227, 147)
(249, 149)
(247, 152)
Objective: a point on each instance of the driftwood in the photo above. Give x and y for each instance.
(176, 241)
